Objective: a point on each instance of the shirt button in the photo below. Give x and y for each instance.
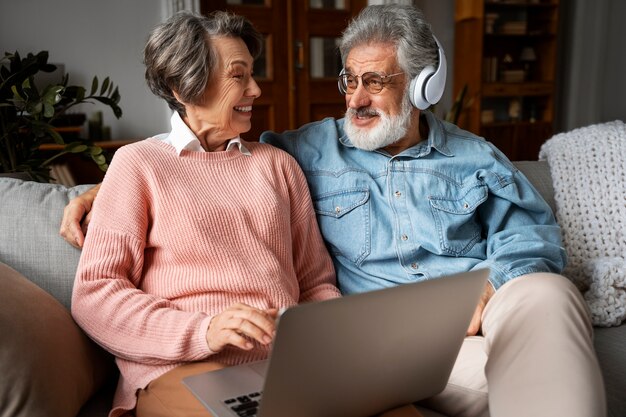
(414, 265)
(337, 209)
(398, 194)
(404, 237)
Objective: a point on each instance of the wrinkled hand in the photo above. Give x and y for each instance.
(239, 325)
(76, 217)
(476, 322)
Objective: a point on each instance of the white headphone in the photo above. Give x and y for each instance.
(427, 88)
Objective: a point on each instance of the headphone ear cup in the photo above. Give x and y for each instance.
(433, 89)
(417, 88)
(427, 88)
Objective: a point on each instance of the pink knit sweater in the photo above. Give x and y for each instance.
(175, 240)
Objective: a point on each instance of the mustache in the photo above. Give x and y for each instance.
(362, 111)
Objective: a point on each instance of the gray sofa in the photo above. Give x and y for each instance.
(49, 368)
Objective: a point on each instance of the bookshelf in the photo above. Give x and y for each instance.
(506, 54)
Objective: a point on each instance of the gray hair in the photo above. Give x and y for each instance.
(179, 56)
(403, 26)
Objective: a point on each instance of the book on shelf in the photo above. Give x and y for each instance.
(513, 28)
(490, 69)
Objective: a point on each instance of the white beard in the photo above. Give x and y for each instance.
(388, 130)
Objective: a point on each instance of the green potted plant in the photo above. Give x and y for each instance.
(28, 115)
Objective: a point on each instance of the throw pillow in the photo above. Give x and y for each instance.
(48, 366)
(30, 218)
(588, 168)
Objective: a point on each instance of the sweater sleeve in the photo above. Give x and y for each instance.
(106, 300)
(312, 263)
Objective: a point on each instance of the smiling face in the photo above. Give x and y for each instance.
(379, 120)
(226, 107)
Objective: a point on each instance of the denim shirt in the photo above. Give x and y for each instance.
(449, 204)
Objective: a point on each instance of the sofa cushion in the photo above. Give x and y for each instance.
(30, 217)
(49, 367)
(610, 346)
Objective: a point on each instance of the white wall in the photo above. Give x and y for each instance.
(93, 37)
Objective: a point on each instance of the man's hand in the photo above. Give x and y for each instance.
(238, 325)
(476, 322)
(76, 217)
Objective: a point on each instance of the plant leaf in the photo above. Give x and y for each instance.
(99, 159)
(16, 94)
(56, 136)
(105, 85)
(117, 110)
(34, 108)
(94, 86)
(80, 94)
(76, 147)
(52, 94)
(48, 110)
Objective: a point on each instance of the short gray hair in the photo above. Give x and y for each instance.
(403, 26)
(179, 56)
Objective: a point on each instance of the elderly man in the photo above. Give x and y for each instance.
(401, 196)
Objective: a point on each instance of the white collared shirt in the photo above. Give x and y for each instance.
(182, 138)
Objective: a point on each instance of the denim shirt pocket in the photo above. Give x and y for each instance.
(456, 220)
(344, 221)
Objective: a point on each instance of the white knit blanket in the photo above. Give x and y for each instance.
(589, 176)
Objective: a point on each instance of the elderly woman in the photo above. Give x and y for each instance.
(197, 238)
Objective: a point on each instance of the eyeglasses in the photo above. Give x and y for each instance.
(373, 82)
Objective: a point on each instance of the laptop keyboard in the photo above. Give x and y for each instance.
(245, 405)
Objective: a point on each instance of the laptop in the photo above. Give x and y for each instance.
(354, 356)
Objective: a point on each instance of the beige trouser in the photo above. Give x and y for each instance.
(536, 352)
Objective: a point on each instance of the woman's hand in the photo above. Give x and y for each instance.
(239, 325)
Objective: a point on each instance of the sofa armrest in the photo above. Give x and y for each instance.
(538, 173)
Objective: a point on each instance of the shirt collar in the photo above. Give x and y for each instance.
(182, 138)
(436, 138)
(239, 144)
(437, 135)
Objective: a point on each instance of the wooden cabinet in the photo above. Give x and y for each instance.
(506, 54)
